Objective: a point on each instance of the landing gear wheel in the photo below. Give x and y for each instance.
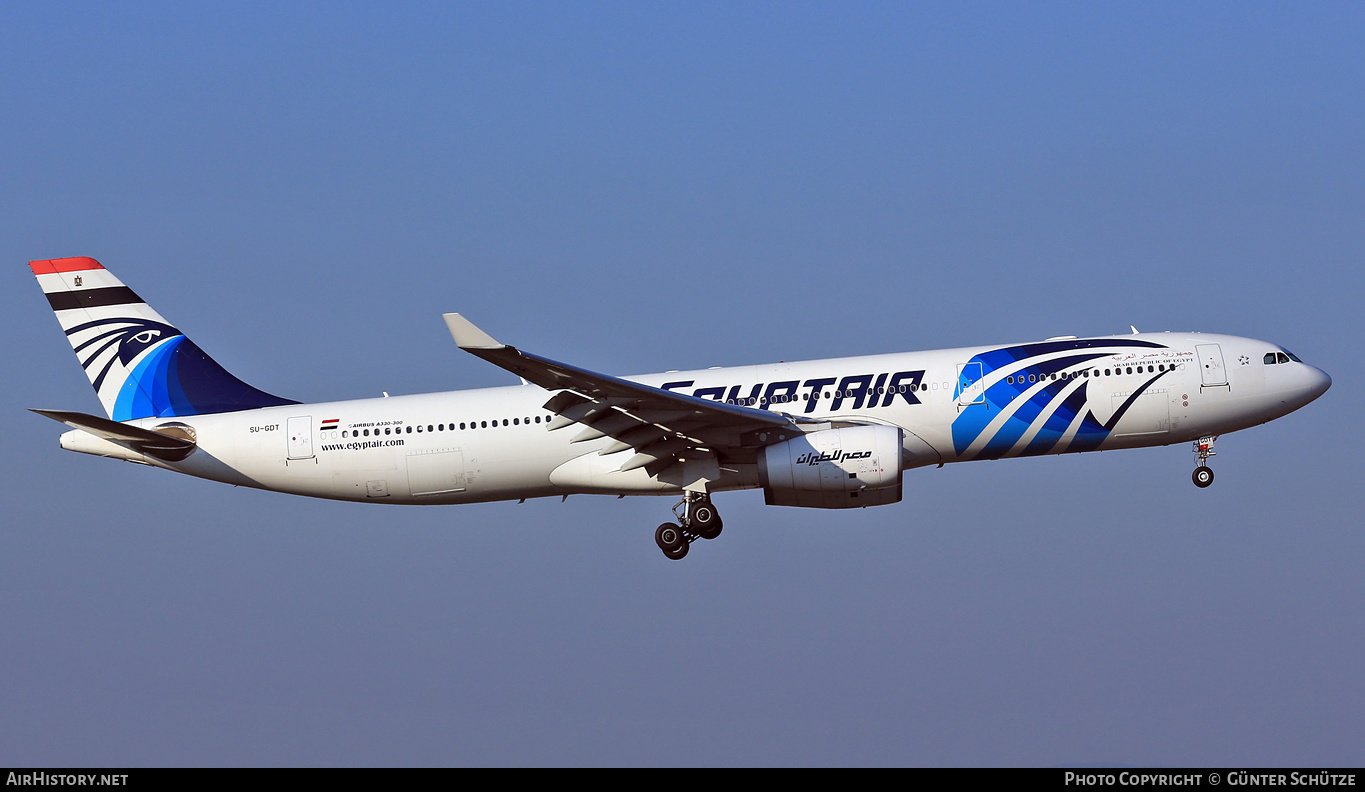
(669, 538)
(1203, 449)
(679, 554)
(704, 520)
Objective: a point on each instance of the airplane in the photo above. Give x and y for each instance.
(826, 434)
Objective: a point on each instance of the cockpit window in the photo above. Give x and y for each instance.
(1283, 358)
(1292, 356)
(1270, 358)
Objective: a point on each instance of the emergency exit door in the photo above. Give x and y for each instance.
(1211, 369)
(300, 432)
(970, 389)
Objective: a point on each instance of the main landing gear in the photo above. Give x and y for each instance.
(698, 520)
(1203, 449)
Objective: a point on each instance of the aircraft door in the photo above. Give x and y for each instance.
(300, 432)
(970, 389)
(1211, 364)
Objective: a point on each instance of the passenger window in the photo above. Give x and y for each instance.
(516, 422)
(483, 424)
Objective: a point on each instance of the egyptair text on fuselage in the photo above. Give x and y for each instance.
(863, 390)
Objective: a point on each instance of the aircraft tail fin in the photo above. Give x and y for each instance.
(140, 365)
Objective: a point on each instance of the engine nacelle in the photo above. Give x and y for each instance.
(834, 468)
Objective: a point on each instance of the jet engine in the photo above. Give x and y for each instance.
(834, 468)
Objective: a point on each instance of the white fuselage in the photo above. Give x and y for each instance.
(953, 405)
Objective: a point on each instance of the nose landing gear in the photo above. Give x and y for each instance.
(699, 520)
(1203, 449)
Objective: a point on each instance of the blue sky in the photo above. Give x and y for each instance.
(640, 187)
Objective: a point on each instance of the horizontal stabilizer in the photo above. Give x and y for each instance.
(143, 441)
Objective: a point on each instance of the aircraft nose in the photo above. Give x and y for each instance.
(1318, 382)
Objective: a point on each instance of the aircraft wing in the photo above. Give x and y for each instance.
(661, 426)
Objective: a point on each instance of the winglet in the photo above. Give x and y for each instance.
(467, 336)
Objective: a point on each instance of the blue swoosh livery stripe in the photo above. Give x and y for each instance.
(1021, 362)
